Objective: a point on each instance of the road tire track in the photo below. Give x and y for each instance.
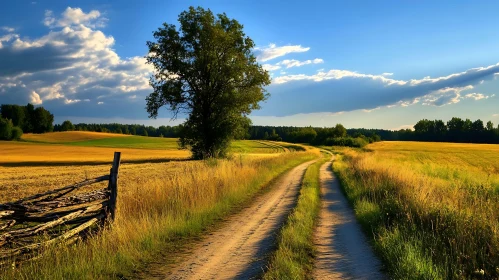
(342, 248)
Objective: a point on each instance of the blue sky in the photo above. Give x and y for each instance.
(373, 64)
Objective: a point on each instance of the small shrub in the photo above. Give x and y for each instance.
(17, 133)
(358, 142)
(6, 129)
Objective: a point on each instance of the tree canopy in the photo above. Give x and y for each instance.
(205, 69)
(28, 118)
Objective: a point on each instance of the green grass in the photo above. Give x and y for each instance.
(251, 146)
(294, 256)
(133, 142)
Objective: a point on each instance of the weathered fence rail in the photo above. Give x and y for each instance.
(32, 223)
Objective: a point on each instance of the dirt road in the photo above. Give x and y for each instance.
(342, 248)
(240, 249)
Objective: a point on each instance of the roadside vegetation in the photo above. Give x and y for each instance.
(294, 256)
(431, 209)
(159, 212)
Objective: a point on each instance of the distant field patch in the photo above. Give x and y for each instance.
(132, 142)
(69, 136)
(26, 154)
(251, 146)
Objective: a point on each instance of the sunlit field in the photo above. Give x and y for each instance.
(431, 208)
(68, 136)
(160, 204)
(32, 154)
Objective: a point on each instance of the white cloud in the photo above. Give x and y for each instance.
(495, 115)
(6, 38)
(8, 29)
(35, 98)
(71, 64)
(273, 51)
(344, 90)
(288, 63)
(405, 126)
(270, 67)
(49, 19)
(75, 16)
(71, 101)
(370, 110)
(387, 74)
(478, 96)
(100, 103)
(335, 74)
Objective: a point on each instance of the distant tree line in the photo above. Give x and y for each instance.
(16, 119)
(28, 118)
(456, 130)
(132, 129)
(328, 136)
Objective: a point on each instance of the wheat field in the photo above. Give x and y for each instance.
(431, 208)
(69, 136)
(160, 203)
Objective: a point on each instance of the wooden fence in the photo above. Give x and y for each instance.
(33, 223)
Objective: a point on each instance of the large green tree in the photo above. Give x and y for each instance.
(205, 69)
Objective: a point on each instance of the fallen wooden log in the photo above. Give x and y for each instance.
(7, 224)
(30, 248)
(41, 227)
(59, 212)
(73, 200)
(6, 213)
(71, 187)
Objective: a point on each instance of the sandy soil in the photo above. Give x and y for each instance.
(342, 248)
(241, 247)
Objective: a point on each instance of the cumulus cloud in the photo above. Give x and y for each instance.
(75, 16)
(34, 98)
(70, 66)
(273, 51)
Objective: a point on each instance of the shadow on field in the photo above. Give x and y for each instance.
(78, 163)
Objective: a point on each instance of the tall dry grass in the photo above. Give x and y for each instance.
(156, 215)
(432, 209)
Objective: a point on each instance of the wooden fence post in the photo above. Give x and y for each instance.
(113, 184)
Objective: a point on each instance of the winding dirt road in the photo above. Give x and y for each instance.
(342, 248)
(241, 247)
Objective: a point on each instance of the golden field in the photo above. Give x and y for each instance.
(69, 136)
(26, 154)
(432, 208)
(160, 206)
